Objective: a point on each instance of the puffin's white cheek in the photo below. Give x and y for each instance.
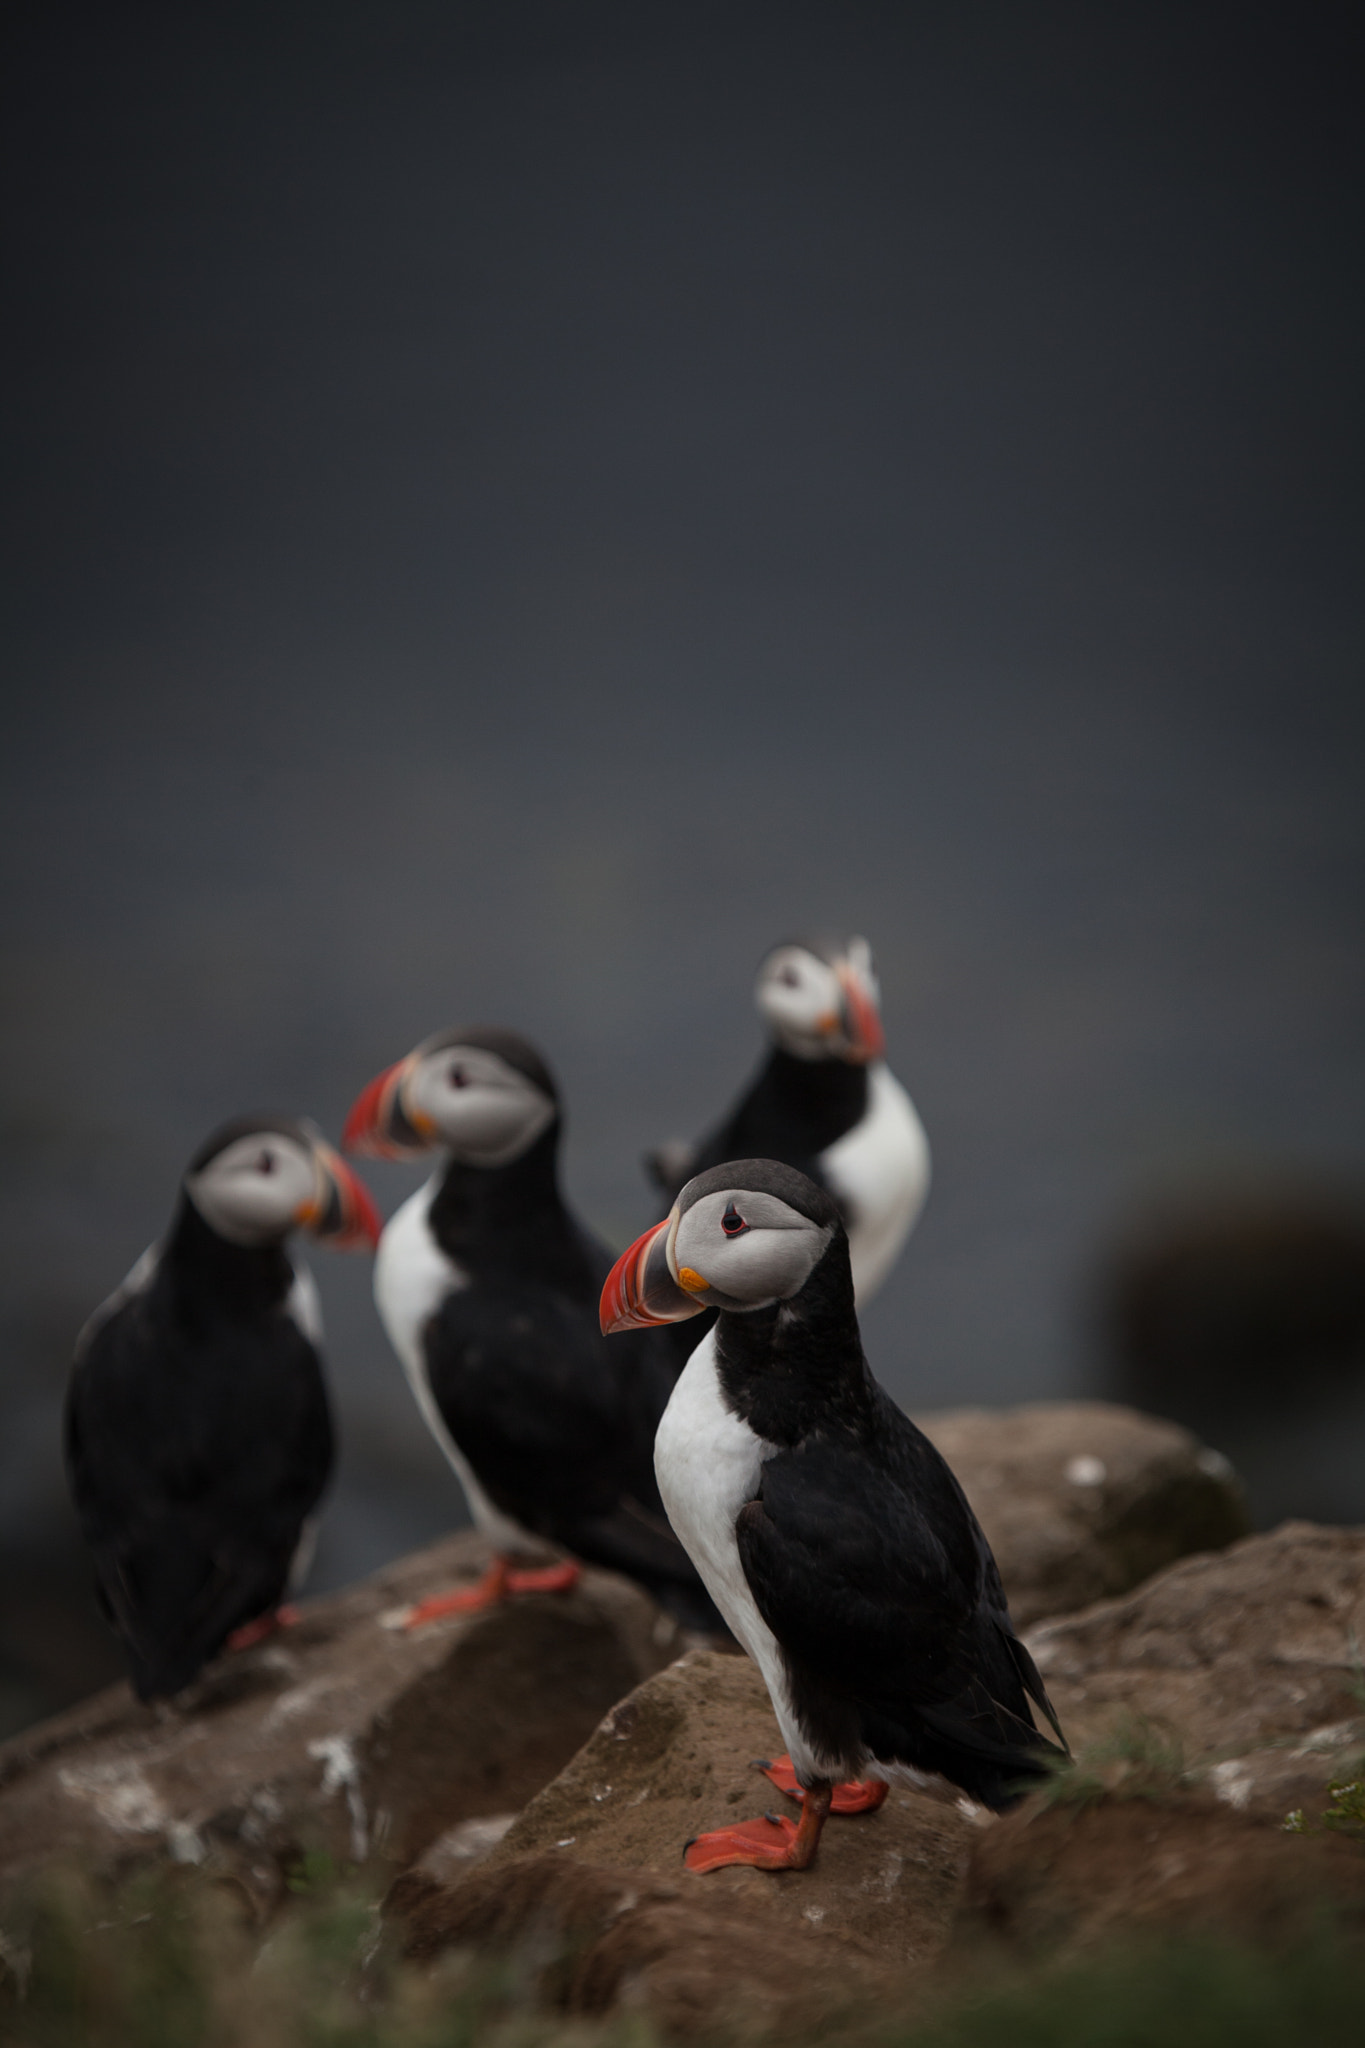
(269, 1205)
(764, 1265)
(492, 1124)
(801, 1011)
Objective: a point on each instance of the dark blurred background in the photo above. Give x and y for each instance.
(512, 508)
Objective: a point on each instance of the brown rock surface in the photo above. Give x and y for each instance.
(1247, 1659)
(1082, 1500)
(1065, 1878)
(338, 1733)
(596, 1858)
(1250, 1659)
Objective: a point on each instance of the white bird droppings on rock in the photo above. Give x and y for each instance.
(1232, 1783)
(120, 1794)
(1086, 1471)
(341, 1773)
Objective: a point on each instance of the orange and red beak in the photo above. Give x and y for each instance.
(379, 1127)
(640, 1290)
(342, 1212)
(860, 1016)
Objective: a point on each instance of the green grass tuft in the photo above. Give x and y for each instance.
(1137, 1759)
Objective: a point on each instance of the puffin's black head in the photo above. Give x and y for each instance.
(820, 1000)
(483, 1094)
(739, 1237)
(259, 1177)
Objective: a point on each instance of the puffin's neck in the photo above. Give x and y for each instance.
(798, 1366)
(233, 1280)
(505, 1221)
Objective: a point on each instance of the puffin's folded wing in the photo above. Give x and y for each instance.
(864, 1580)
(849, 1574)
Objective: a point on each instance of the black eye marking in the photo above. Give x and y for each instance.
(458, 1078)
(266, 1163)
(732, 1223)
(789, 978)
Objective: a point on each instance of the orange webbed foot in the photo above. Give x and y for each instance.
(855, 1795)
(772, 1843)
(500, 1582)
(552, 1578)
(764, 1844)
(264, 1626)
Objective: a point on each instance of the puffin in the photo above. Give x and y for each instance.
(831, 1534)
(488, 1288)
(825, 1101)
(198, 1434)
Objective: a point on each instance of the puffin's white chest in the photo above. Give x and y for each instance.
(880, 1171)
(412, 1277)
(708, 1463)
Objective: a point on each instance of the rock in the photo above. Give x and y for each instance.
(1239, 1305)
(592, 1938)
(1082, 1500)
(1250, 1660)
(1242, 1665)
(596, 1861)
(339, 1733)
(1064, 1878)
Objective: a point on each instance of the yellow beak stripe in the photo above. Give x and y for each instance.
(692, 1280)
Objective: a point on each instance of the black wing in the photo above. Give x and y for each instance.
(872, 1572)
(194, 1460)
(792, 1110)
(559, 1428)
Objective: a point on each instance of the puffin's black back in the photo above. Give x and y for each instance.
(866, 1561)
(198, 1440)
(792, 1111)
(557, 1423)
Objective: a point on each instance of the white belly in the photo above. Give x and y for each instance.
(412, 1277)
(880, 1170)
(708, 1464)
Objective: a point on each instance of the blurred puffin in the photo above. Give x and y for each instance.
(488, 1288)
(825, 1102)
(198, 1435)
(831, 1534)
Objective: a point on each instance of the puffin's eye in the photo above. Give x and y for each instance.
(266, 1163)
(732, 1223)
(789, 978)
(458, 1078)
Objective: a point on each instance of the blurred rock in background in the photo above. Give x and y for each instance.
(1240, 1311)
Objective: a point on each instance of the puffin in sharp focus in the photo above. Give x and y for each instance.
(831, 1534)
(488, 1288)
(198, 1433)
(825, 1101)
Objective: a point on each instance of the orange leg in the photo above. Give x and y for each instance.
(264, 1625)
(498, 1583)
(772, 1843)
(858, 1795)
